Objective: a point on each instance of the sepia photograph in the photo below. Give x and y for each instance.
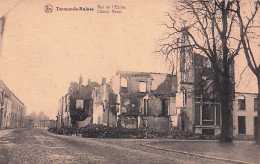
(130, 81)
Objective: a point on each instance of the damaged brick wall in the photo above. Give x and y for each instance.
(145, 108)
(104, 106)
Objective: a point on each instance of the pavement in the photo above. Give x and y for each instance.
(238, 151)
(4, 132)
(39, 146)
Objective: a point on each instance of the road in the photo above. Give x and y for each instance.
(40, 146)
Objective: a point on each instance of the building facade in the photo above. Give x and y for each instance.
(63, 117)
(196, 98)
(104, 105)
(245, 115)
(76, 107)
(207, 101)
(13, 111)
(136, 100)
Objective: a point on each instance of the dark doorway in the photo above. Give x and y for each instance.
(241, 125)
(165, 106)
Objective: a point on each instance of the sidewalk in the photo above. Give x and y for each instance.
(238, 151)
(4, 132)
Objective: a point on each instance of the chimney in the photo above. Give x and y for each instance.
(89, 81)
(103, 80)
(80, 82)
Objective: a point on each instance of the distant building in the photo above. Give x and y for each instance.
(47, 123)
(64, 118)
(12, 110)
(245, 115)
(29, 122)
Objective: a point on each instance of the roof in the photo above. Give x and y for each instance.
(246, 93)
(9, 91)
(139, 73)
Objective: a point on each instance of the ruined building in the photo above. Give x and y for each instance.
(161, 101)
(187, 100)
(75, 108)
(135, 100)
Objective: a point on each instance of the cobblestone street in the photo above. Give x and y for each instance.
(40, 146)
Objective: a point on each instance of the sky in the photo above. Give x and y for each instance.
(43, 52)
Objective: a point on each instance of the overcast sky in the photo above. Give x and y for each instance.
(43, 52)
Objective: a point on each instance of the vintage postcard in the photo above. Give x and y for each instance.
(129, 81)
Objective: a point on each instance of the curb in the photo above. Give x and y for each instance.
(194, 154)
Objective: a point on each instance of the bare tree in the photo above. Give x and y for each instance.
(248, 36)
(208, 27)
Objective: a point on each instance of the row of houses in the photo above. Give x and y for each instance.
(12, 111)
(157, 101)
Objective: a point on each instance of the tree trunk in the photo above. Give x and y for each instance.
(226, 111)
(258, 114)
